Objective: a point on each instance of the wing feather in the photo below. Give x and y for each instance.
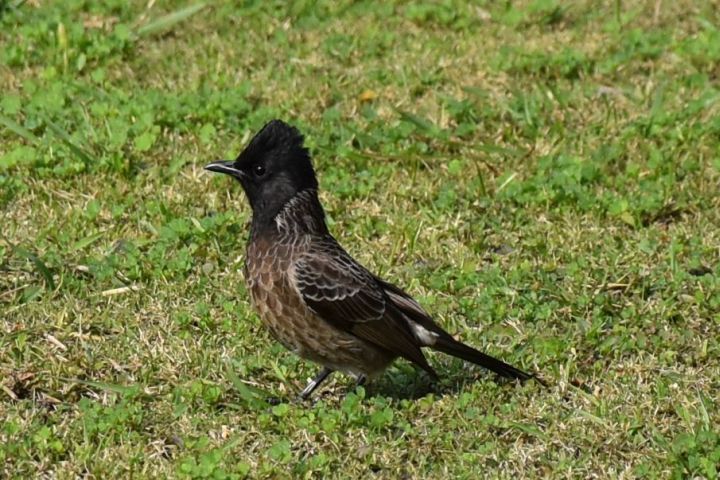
(346, 295)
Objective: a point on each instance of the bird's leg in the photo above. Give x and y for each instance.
(315, 382)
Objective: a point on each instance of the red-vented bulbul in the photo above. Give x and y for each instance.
(313, 296)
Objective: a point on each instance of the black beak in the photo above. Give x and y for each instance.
(225, 166)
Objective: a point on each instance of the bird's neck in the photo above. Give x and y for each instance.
(302, 214)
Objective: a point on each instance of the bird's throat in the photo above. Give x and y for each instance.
(302, 214)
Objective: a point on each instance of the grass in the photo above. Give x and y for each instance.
(543, 176)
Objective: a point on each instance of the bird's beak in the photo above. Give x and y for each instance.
(225, 166)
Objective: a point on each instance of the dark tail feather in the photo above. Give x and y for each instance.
(452, 347)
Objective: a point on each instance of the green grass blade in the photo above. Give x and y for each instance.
(67, 140)
(252, 396)
(84, 242)
(422, 123)
(39, 266)
(126, 391)
(169, 20)
(18, 129)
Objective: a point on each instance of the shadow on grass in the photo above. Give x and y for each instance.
(407, 383)
(400, 382)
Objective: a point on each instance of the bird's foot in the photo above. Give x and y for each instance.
(314, 384)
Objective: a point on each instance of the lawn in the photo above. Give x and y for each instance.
(543, 176)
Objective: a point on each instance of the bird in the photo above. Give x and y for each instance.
(316, 299)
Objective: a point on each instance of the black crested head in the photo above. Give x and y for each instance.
(280, 146)
(273, 168)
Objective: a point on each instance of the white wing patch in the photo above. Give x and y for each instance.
(425, 336)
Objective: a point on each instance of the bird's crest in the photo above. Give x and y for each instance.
(277, 137)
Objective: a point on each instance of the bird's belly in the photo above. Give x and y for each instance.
(301, 331)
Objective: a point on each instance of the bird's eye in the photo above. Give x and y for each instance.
(259, 170)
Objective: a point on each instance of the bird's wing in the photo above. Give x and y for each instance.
(346, 295)
(410, 307)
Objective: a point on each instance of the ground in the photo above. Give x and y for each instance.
(542, 175)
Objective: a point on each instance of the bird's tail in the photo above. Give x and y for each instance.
(435, 337)
(449, 345)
